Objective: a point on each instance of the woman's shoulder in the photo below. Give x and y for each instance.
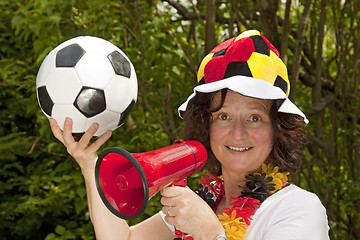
(293, 192)
(292, 211)
(293, 197)
(292, 203)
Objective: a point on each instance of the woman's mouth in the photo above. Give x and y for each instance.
(239, 149)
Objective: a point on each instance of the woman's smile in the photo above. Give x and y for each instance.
(239, 149)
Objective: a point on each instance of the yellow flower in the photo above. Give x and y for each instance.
(279, 178)
(226, 219)
(235, 229)
(233, 233)
(274, 171)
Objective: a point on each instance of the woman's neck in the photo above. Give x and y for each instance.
(231, 188)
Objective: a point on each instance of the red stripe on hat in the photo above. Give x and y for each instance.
(223, 45)
(215, 69)
(240, 50)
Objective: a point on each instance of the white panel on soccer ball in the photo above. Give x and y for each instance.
(106, 120)
(97, 45)
(45, 69)
(119, 93)
(63, 85)
(134, 79)
(94, 70)
(60, 112)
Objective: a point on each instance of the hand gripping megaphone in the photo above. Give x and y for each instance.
(126, 181)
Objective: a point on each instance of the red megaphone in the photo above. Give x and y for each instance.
(127, 181)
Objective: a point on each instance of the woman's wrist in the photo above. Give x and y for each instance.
(210, 234)
(221, 237)
(88, 168)
(88, 174)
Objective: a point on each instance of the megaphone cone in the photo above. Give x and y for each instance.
(126, 181)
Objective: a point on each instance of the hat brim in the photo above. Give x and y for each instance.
(250, 87)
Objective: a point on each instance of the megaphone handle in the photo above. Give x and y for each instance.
(180, 182)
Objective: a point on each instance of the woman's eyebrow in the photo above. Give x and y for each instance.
(258, 106)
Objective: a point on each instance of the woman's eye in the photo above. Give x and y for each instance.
(223, 116)
(255, 118)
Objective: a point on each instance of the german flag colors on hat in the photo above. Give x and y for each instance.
(250, 65)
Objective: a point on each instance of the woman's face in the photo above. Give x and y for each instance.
(241, 133)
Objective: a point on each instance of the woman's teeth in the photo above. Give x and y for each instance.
(238, 149)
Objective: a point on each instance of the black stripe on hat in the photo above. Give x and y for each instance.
(260, 45)
(220, 53)
(237, 68)
(281, 83)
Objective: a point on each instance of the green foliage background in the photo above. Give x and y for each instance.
(42, 193)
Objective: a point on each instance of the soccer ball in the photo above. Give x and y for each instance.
(89, 80)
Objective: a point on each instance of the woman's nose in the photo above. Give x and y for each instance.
(239, 130)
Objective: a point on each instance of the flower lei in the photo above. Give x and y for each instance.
(236, 220)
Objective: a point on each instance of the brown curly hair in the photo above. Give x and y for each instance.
(289, 133)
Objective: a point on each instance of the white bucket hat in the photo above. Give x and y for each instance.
(250, 65)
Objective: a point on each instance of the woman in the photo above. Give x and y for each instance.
(254, 136)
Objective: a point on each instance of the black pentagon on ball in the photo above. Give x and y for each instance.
(237, 68)
(90, 101)
(45, 100)
(77, 135)
(120, 64)
(69, 55)
(260, 45)
(126, 112)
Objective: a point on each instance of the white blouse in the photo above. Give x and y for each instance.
(290, 214)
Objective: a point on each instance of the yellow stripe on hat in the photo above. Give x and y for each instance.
(281, 70)
(262, 67)
(248, 33)
(206, 59)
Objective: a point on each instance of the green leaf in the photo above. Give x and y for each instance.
(16, 23)
(35, 27)
(60, 230)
